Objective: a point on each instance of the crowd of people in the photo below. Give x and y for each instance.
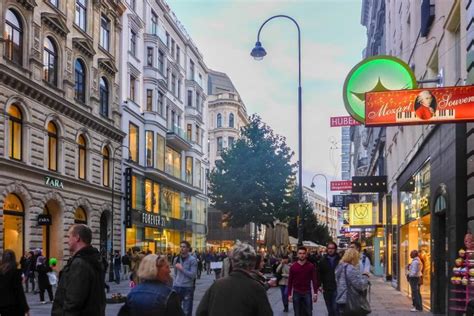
(165, 284)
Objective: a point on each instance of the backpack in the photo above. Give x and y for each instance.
(126, 260)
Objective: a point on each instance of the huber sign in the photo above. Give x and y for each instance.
(345, 185)
(338, 121)
(420, 106)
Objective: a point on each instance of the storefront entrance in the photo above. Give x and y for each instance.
(14, 225)
(52, 234)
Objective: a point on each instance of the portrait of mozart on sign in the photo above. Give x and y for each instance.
(425, 105)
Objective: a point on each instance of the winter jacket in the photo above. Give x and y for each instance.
(186, 277)
(284, 270)
(415, 268)
(151, 298)
(327, 272)
(81, 286)
(354, 278)
(12, 296)
(236, 295)
(43, 280)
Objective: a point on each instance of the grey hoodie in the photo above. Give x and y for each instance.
(354, 278)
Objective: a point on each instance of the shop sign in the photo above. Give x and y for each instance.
(370, 184)
(53, 182)
(420, 106)
(360, 214)
(153, 219)
(343, 200)
(44, 219)
(337, 200)
(128, 198)
(344, 185)
(377, 73)
(339, 121)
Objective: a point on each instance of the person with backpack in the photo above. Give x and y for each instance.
(185, 269)
(282, 272)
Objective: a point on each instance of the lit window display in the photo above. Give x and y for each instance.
(13, 225)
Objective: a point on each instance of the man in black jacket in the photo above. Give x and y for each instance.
(81, 282)
(327, 266)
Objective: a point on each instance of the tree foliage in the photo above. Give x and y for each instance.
(253, 181)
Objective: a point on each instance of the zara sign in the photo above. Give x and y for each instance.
(54, 183)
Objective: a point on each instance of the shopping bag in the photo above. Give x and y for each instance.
(52, 278)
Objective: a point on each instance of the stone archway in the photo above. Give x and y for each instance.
(53, 235)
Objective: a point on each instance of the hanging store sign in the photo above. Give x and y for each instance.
(44, 220)
(377, 73)
(153, 219)
(345, 185)
(53, 182)
(339, 121)
(370, 184)
(420, 106)
(128, 198)
(360, 214)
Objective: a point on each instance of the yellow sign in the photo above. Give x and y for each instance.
(360, 214)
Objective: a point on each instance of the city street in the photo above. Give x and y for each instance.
(384, 299)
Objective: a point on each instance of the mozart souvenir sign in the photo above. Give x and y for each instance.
(420, 106)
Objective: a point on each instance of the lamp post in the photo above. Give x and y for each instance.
(327, 208)
(111, 270)
(258, 52)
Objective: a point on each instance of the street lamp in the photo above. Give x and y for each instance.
(327, 208)
(258, 52)
(111, 270)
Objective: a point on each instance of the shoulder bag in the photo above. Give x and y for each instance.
(356, 304)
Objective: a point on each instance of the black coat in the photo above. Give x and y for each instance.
(12, 296)
(43, 280)
(327, 273)
(236, 295)
(81, 286)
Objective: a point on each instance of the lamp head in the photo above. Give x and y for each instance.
(312, 185)
(258, 52)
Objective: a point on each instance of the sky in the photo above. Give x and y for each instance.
(332, 40)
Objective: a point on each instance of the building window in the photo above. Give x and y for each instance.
(81, 14)
(219, 120)
(189, 132)
(231, 142)
(178, 54)
(179, 88)
(149, 100)
(198, 139)
(173, 162)
(160, 103)
(198, 174)
(149, 56)
(50, 62)
(133, 42)
(133, 4)
(81, 143)
(160, 152)
(173, 84)
(231, 120)
(190, 98)
(149, 148)
(80, 76)
(161, 62)
(189, 170)
(52, 147)
(13, 36)
(191, 70)
(105, 167)
(148, 195)
(219, 145)
(172, 48)
(133, 141)
(168, 40)
(104, 97)
(13, 224)
(15, 127)
(54, 3)
(154, 23)
(200, 80)
(105, 33)
(133, 82)
(80, 216)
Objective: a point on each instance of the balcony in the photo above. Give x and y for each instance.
(192, 112)
(177, 138)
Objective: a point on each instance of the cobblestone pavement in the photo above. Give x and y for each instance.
(384, 299)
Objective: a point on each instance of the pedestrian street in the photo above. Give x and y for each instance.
(385, 300)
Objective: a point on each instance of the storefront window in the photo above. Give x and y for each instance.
(160, 152)
(156, 198)
(80, 216)
(149, 148)
(173, 163)
(189, 170)
(13, 217)
(171, 204)
(148, 195)
(137, 193)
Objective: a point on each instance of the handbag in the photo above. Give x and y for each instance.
(52, 278)
(356, 303)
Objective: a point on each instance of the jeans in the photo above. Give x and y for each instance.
(49, 289)
(415, 292)
(117, 274)
(284, 295)
(186, 294)
(302, 304)
(330, 299)
(126, 270)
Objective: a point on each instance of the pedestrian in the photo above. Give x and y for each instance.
(32, 277)
(81, 282)
(105, 264)
(135, 259)
(414, 278)
(12, 297)
(126, 264)
(117, 266)
(364, 261)
(282, 272)
(43, 280)
(199, 258)
(25, 268)
(153, 296)
(208, 259)
(185, 271)
(302, 274)
(351, 284)
(238, 294)
(327, 268)
(257, 274)
(226, 267)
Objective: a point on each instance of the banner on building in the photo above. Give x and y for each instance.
(128, 198)
(343, 200)
(420, 106)
(360, 214)
(339, 121)
(345, 185)
(369, 184)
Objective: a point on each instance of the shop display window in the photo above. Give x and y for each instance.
(13, 217)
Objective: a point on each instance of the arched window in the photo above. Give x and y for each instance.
(80, 216)
(52, 146)
(80, 76)
(13, 224)
(105, 166)
(13, 36)
(15, 132)
(50, 62)
(81, 14)
(104, 97)
(231, 120)
(219, 120)
(81, 142)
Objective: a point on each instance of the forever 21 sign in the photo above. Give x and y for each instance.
(152, 219)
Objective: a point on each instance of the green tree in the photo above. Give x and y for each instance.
(253, 180)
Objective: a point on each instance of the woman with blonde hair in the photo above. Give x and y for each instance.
(153, 295)
(351, 286)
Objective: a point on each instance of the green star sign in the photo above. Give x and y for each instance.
(378, 73)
